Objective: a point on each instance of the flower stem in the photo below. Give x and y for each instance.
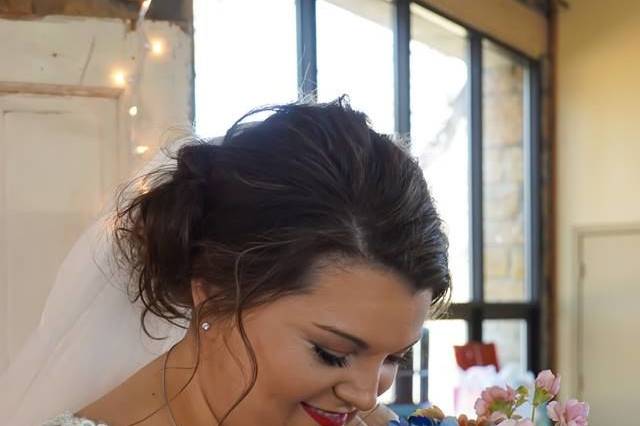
(533, 414)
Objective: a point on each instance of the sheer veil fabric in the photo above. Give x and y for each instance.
(89, 338)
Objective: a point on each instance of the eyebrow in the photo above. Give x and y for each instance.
(361, 344)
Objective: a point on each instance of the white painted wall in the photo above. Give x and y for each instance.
(67, 140)
(598, 145)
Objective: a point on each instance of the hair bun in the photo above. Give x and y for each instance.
(195, 162)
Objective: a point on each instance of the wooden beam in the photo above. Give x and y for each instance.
(506, 21)
(58, 90)
(161, 10)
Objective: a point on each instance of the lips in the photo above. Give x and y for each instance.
(327, 418)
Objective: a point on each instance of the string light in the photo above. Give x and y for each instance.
(157, 47)
(141, 149)
(119, 78)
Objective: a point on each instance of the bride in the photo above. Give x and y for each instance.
(275, 277)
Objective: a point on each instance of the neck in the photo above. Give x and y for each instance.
(187, 402)
(202, 400)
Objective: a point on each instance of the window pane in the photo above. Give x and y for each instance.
(503, 186)
(439, 134)
(443, 370)
(389, 396)
(355, 56)
(510, 337)
(245, 56)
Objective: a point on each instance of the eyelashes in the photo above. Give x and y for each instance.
(329, 358)
(332, 360)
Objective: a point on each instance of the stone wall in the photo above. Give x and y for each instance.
(503, 109)
(503, 181)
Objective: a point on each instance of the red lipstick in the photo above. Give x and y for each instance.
(326, 418)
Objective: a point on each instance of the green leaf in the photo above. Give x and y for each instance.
(523, 390)
(541, 397)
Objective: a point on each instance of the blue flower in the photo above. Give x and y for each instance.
(415, 421)
(432, 416)
(424, 421)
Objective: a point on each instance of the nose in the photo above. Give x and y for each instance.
(360, 389)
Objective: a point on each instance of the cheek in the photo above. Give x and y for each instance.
(289, 370)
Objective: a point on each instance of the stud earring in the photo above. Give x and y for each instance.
(205, 326)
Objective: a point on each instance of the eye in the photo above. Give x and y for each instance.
(329, 358)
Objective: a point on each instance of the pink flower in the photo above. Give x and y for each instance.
(572, 413)
(495, 399)
(547, 381)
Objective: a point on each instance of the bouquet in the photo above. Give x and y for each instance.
(497, 406)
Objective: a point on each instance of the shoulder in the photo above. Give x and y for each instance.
(68, 419)
(379, 416)
(134, 399)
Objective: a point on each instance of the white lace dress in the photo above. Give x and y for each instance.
(380, 416)
(68, 419)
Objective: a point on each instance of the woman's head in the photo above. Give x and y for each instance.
(307, 220)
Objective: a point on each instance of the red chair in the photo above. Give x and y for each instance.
(475, 353)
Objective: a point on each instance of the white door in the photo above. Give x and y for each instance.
(609, 325)
(58, 164)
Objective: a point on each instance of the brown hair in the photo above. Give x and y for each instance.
(249, 216)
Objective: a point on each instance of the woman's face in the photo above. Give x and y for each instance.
(334, 350)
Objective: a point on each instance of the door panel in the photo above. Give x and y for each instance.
(58, 165)
(609, 325)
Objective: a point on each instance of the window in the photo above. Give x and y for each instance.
(439, 119)
(471, 107)
(241, 59)
(442, 368)
(474, 129)
(439, 71)
(355, 55)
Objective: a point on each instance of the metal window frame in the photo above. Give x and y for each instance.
(477, 309)
(476, 202)
(307, 49)
(402, 98)
(402, 65)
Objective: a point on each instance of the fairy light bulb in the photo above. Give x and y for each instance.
(133, 111)
(119, 78)
(141, 149)
(157, 47)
